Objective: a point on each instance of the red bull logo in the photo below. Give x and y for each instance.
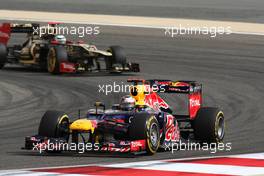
(155, 102)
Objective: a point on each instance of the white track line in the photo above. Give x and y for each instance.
(145, 163)
(129, 21)
(250, 156)
(195, 168)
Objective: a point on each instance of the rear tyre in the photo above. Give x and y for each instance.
(145, 126)
(56, 55)
(3, 55)
(54, 124)
(209, 125)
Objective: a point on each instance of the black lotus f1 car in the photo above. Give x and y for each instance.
(148, 126)
(55, 57)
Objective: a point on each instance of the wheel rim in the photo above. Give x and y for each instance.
(63, 129)
(51, 60)
(154, 134)
(221, 127)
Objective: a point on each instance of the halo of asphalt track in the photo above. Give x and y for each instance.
(229, 67)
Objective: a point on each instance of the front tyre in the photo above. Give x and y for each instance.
(209, 125)
(54, 124)
(118, 55)
(153, 136)
(56, 55)
(145, 126)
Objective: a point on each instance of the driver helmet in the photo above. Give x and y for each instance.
(127, 103)
(61, 39)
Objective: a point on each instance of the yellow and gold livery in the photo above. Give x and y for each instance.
(82, 125)
(138, 93)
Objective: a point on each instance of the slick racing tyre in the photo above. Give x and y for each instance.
(3, 55)
(119, 56)
(43, 59)
(56, 55)
(54, 124)
(145, 126)
(209, 125)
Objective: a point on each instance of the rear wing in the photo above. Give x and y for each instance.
(168, 86)
(5, 31)
(191, 88)
(24, 28)
(7, 28)
(18, 28)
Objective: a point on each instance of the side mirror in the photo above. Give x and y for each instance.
(115, 106)
(99, 104)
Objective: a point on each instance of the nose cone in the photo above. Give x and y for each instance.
(82, 125)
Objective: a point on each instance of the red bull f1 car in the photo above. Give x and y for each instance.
(56, 54)
(147, 126)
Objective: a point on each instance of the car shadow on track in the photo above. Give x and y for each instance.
(45, 73)
(75, 154)
(23, 69)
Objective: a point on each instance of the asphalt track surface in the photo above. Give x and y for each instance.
(225, 10)
(229, 67)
